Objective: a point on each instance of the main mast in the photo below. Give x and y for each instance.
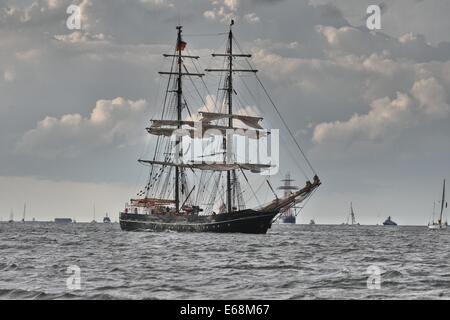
(179, 109)
(229, 88)
(442, 204)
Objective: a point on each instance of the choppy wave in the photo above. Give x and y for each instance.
(290, 262)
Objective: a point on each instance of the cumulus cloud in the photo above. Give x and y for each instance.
(371, 72)
(251, 18)
(359, 41)
(9, 75)
(79, 37)
(426, 102)
(158, 3)
(221, 13)
(112, 123)
(384, 115)
(225, 10)
(432, 97)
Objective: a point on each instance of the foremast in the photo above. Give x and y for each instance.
(180, 45)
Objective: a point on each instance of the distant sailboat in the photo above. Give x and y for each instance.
(94, 221)
(11, 216)
(24, 211)
(439, 224)
(312, 222)
(351, 217)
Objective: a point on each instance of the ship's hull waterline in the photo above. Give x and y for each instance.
(245, 221)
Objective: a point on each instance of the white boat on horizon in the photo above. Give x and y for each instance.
(439, 224)
(351, 217)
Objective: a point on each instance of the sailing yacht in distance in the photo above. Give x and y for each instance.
(24, 211)
(11, 216)
(94, 221)
(439, 224)
(205, 194)
(351, 217)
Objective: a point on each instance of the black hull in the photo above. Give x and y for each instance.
(245, 221)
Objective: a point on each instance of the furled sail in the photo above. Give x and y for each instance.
(161, 123)
(253, 167)
(247, 120)
(167, 132)
(166, 128)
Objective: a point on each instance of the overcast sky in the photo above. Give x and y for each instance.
(370, 108)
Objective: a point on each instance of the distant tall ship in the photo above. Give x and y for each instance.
(351, 220)
(106, 219)
(439, 224)
(204, 194)
(288, 216)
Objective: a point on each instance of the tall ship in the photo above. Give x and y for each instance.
(106, 219)
(439, 224)
(205, 193)
(288, 215)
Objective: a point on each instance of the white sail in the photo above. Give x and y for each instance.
(440, 223)
(253, 167)
(158, 128)
(247, 120)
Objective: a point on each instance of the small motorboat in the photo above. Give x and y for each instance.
(389, 222)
